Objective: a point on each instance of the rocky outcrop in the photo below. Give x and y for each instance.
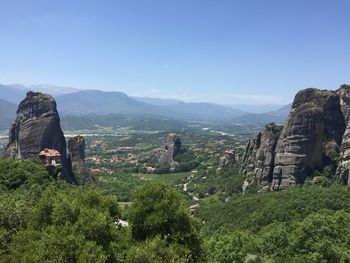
(163, 155)
(315, 116)
(37, 127)
(229, 157)
(258, 159)
(344, 164)
(172, 147)
(319, 121)
(76, 155)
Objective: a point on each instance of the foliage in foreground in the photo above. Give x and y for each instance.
(56, 222)
(320, 237)
(310, 224)
(47, 221)
(160, 211)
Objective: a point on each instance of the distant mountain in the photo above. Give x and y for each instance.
(278, 116)
(75, 102)
(15, 93)
(205, 111)
(157, 101)
(7, 114)
(259, 108)
(12, 93)
(103, 103)
(262, 108)
(52, 90)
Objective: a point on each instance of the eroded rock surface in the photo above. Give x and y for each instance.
(315, 116)
(76, 155)
(258, 158)
(229, 157)
(318, 119)
(163, 155)
(36, 127)
(172, 147)
(344, 164)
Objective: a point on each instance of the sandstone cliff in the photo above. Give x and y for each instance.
(163, 155)
(37, 127)
(172, 146)
(76, 155)
(344, 164)
(258, 159)
(318, 119)
(315, 116)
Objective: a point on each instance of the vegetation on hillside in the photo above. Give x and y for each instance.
(309, 224)
(51, 221)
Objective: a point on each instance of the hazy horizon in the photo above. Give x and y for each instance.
(67, 90)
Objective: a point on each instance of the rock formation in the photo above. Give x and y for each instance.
(315, 116)
(229, 157)
(172, 146)
(37, 127)
(163, 155)
(76, 155)
(318, 119)
(258, 158)
(344, 164)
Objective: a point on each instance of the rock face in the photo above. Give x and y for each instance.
(229, 157)
(258, 159)
(318, 119)
(172, 146)
(344, 164)
(163, 155)
(36, 127)
(315, 116)
(76, 155)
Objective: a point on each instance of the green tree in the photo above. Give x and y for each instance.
(69, 225)
(22, 173)
(230, 247)
(157, 250)
(323, 237)
(158, 210)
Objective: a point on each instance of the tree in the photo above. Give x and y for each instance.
(157, 250)
(160, 211)
(69, 225)
(323, 237)
(230, 247)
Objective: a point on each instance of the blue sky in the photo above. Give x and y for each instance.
(224, 51)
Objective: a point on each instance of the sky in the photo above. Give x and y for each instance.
(223, 51)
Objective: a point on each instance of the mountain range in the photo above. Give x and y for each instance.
(7, 113)
(84, 103)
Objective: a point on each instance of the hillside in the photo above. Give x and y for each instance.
(103, 103)
(278, 116)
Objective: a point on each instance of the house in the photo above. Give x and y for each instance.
(50, 157)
